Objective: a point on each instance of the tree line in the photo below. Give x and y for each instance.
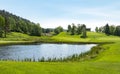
(109, 30)
(72, 30)
(77, 30)
(12, 23)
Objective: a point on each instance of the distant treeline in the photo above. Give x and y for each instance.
(12, 23)
(109, 30)
(72, 30)
(79, 29)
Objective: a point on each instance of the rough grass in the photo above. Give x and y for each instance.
(107, 62)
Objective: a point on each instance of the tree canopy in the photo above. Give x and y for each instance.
(110, 30)
(13, 23)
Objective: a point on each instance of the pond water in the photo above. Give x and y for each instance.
(38, 51)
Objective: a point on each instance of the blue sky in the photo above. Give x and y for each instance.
(52, 13)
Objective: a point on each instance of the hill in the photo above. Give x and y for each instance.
(14, 23)
(92, 37)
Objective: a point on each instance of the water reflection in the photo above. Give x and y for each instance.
(38, 51)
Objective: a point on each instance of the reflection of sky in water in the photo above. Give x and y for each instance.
(42, 50)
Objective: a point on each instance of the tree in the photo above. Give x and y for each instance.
(73, 29)
(69, 28)
(102, 29)
(96, 29)
(84, 33)
(6, 28)
(112, 29)
(2, 24)
(12, 24)
(36, 30)
(117, 31)
(107, 29)
(58, 30)
(15, 23)
(79, 29)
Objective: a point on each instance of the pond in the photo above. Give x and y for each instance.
(37, 51)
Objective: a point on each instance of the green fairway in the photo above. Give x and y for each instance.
(107, 62)
(92, 37)
(59, 68)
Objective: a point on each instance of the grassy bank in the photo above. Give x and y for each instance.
(106, 62)
(92, 38)
(63, 37)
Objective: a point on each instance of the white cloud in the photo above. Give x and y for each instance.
(52, 23)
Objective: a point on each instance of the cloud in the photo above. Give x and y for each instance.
(52, 23)
(54, 13)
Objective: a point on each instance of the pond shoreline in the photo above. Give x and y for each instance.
(89, 55)
(80, 57)
(4, 43)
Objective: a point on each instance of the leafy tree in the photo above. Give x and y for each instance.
(84, 33)
(102, 29)
(47, 30)
(79, 29)
(58, 30)
(69, 28)
(2, 24)
(7, 26)
(15, 23)
(96, 29)
(36, 30)
(112, 29)
(12, 24)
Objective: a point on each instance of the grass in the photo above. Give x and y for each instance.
(92, 37)
(106, 62)
(112, 54)
(59, 68)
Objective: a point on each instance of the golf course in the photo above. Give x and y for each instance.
(59, 37)
(106, 62)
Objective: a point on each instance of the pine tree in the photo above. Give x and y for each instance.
(107, 29)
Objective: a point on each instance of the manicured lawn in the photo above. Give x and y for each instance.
(59, 68)
(111, 54)
(107, 62)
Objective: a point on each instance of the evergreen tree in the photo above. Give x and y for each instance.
(117, 31)
(73, 29)
(107, 29)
